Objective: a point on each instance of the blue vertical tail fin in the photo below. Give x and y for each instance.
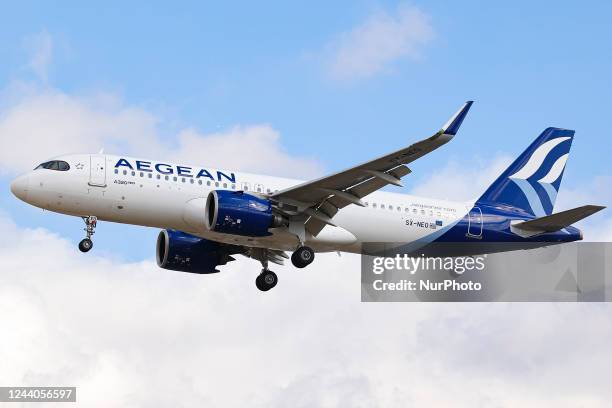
(532, 181)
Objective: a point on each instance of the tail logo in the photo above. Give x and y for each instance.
(525, 180)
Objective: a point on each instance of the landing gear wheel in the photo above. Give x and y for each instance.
(266, 280)
(302, 257)
(90, 228)
(85, 245)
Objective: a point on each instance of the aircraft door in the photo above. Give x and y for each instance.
(475, 223)
(97, 170)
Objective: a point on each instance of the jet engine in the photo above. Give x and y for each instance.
(239, 213)
(179, 251)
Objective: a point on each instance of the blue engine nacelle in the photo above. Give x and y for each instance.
(179, 251)
(238, 213)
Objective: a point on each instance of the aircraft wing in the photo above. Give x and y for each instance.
(319, 200)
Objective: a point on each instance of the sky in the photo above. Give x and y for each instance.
(296, 90)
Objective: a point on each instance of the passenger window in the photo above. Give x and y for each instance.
(200, 182)
(208, 183)
(133, 173)
(191, 181)
(116, 171)
(183, 179)
(373, 205)
(159, 176)
(224, 185)
(167, 178)
(174, 179)
(382, 206)
(125, 172)
(216, 184)
(150, 175)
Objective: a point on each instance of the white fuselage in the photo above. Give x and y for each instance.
(175, 197)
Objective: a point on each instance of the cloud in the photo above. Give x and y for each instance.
(256, 148)
(596, 191)
(458, 182)
(40, 48)
(131, 334)
(382, 39)
(37, 124)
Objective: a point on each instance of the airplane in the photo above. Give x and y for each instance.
(208, 215)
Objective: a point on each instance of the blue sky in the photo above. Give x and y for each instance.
(211, 66)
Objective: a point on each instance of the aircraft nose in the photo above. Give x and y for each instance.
(19, 187)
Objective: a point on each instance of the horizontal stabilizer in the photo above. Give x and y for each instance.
(558, 221)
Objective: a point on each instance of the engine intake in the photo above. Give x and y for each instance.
(239, 213)
(179, 251)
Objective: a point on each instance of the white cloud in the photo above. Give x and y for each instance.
(597, 191)
(38, 124)
(382, 39)
(256, 148)
(133, 334)
(130, 334)
(40, 48)
(462, 180)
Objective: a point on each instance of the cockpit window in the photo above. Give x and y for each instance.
(54, 165)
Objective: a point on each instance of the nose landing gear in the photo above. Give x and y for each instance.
(90, 228)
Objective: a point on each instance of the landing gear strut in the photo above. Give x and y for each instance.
(90, 228)
(266, 279)
(302, 257)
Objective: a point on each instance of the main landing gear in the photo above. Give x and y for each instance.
(90, 228)
(302, 257)
(266, 280)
